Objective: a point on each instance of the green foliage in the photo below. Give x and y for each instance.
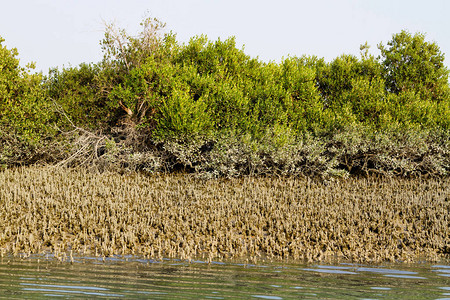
(124, 52)
(367, 100)
(304, 107)
(412, 64)
(181, 117)
(24, 113)
(206, 106)
(77, 96)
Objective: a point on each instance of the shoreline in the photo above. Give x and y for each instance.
(371, 219)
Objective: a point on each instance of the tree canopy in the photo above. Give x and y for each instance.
(152, 92)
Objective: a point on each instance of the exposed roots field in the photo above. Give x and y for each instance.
(66, 211)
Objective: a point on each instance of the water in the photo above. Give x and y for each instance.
(39, 277)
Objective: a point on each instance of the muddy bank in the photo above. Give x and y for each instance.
(372, 219)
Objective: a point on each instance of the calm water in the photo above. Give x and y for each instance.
(38, 277)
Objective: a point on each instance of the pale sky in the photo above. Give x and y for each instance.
(57, 33)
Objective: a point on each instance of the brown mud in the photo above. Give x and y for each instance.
(76, 212)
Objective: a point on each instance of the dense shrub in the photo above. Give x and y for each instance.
(25, 114)
(412, 64)
(206, 106)
(76, 92)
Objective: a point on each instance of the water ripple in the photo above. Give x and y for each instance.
(180, 279)
(330, 271)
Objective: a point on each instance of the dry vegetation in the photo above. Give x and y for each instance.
(71, 211)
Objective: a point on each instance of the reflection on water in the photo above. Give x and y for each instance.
(39, 277)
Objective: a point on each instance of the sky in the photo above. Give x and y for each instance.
(63, 33)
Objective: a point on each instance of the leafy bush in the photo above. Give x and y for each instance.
(25, 115)
(76, 92)
(412, 64)
(207, 107)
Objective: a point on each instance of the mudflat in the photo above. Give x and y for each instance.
(365, 219)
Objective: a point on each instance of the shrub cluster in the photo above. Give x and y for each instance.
(156, 104)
